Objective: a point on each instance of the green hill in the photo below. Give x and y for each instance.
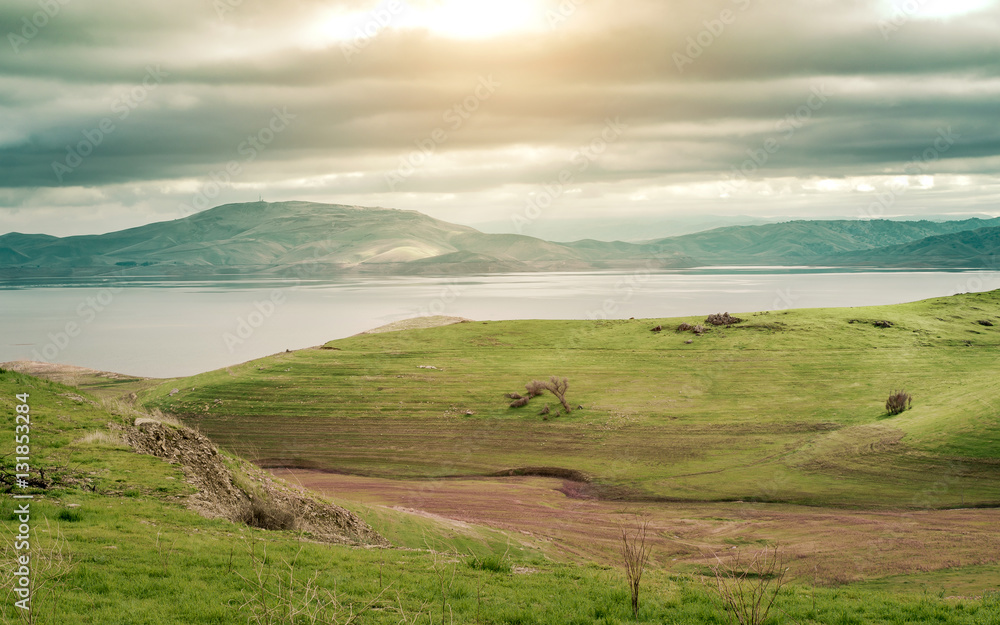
(812, 242)
(978, 248)
(779, 407)
(304, 238)
(296, 237)
(784, 406)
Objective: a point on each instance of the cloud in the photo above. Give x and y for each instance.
(701, 86)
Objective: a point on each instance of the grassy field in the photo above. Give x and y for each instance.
(113, 544)
(785, 407)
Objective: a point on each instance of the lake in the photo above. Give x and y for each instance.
(174, 328)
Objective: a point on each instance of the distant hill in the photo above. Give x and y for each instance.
(808, 242)
(284, 237)
(968, 249)
(293, 238)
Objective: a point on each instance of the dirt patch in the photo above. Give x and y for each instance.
(220, 493)
(418, 323)
(564, 474)
(822, 544)
(63, 374)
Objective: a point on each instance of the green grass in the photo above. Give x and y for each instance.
(131, 553)
(787, 406)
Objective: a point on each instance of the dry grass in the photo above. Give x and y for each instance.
(101, 437)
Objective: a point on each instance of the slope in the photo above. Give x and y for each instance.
(782, 407)
(978, 248)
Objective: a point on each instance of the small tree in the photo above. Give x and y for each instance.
(635, 555)
(898, 402)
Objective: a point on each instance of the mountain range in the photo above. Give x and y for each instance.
(305, 238)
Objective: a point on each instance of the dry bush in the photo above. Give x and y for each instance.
(282, 597)
(635, 555)
(685, 327)
(535, 388)
(266, 514)
(898, 402)
(748, 587)
(558, 388)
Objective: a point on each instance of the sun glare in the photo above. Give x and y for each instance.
(456, 19)
(476, 19)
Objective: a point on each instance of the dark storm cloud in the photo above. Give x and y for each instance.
(701, 87)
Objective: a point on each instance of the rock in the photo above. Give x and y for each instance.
(218, 496)
(725, 319)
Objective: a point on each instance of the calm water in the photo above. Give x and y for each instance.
(166, 329)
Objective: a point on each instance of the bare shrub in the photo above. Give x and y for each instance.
(282, 597)
(267, 515)
(898, 402)
(685, 327)
(558, 388)
(635, 555)
(657, 329)
(749, 586)
(535, 388)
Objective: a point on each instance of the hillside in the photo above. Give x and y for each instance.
(978, 248)
(785, 406)
(814, 242)
(117, 535)
(304, 239)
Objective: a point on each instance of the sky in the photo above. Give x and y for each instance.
(511, 115)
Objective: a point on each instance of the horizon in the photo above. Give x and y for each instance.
(723, 221)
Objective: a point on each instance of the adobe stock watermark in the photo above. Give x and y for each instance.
(916, 166)
(86, 312)
(266, 308)
(784, 299)
(122, 107)
(787, 127)
(902, 13)
(32, 25)
(246, 326)
(585, 156)
(454, 118)
(562, 13)
(449, 294)
(380, 18)
(249, 149)
(703, 40)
